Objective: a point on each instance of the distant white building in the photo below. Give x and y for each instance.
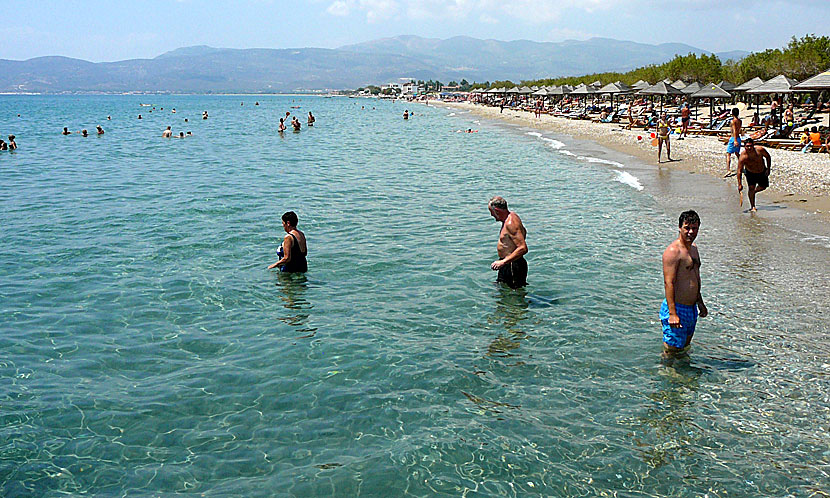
(410, 88)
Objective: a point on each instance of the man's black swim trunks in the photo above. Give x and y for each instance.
(760, 179)
(514, 273)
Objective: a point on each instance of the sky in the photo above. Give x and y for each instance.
(100, 31)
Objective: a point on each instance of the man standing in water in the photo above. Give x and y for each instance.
(755, 163)
(681, 278)
(511, 247)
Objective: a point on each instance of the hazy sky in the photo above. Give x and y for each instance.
(116, 30)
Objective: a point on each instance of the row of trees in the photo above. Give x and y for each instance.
(800, 59)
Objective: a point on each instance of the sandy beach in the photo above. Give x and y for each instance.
(796, 180)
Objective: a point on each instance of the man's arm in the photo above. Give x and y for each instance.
(767, 160)
(703, 311)
(671, 260)
(286, 253)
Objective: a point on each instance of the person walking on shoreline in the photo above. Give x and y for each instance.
(681, 279)
(734, 144)
(663, 137)
(755, 163)
(511, 247)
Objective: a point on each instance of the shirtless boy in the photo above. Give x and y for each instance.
(755, 163)
(734, 145)
(511, 247)
(681, 278)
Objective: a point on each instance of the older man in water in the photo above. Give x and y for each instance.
(511, 247)
(681, 278)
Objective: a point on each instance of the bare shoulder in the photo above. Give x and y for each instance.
(671, 253)
(513, 221)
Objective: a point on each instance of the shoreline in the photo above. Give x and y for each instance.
(797, 180)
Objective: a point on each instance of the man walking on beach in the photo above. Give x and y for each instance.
(685, 116)
(511, 246)
(734, 145)
(681, 279)
(755, 163)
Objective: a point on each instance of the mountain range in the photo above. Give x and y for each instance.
(202, 69)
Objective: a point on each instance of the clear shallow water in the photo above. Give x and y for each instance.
(147, 350)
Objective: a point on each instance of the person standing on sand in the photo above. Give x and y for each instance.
(663, 137)
(734, 144)
(681, 279)
(511, 247)
(294, 249)
(684, 120)
(755, 163)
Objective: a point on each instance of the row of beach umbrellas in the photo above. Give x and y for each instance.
(778, 85)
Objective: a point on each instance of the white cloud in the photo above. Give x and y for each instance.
(338, 8)
(488, 19)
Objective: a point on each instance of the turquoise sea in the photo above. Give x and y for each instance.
(145, 350)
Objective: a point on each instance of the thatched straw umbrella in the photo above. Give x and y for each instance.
(779, 84)
(725, 85)
(640, 85)
(679, 84)
(662, 89)
(820, 81)
(614, 88)
(711, 92)
(749, 85)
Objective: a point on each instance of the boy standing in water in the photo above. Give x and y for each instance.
(681, 278)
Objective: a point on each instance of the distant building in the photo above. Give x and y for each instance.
(411, 88)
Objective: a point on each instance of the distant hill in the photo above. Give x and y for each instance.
(203, 69)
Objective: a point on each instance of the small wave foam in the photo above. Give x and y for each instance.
(628, 179)
(451, 114)
(556, 144)
(601, 161)
(567, 153)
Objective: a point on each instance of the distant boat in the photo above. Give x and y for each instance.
(145, 105)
